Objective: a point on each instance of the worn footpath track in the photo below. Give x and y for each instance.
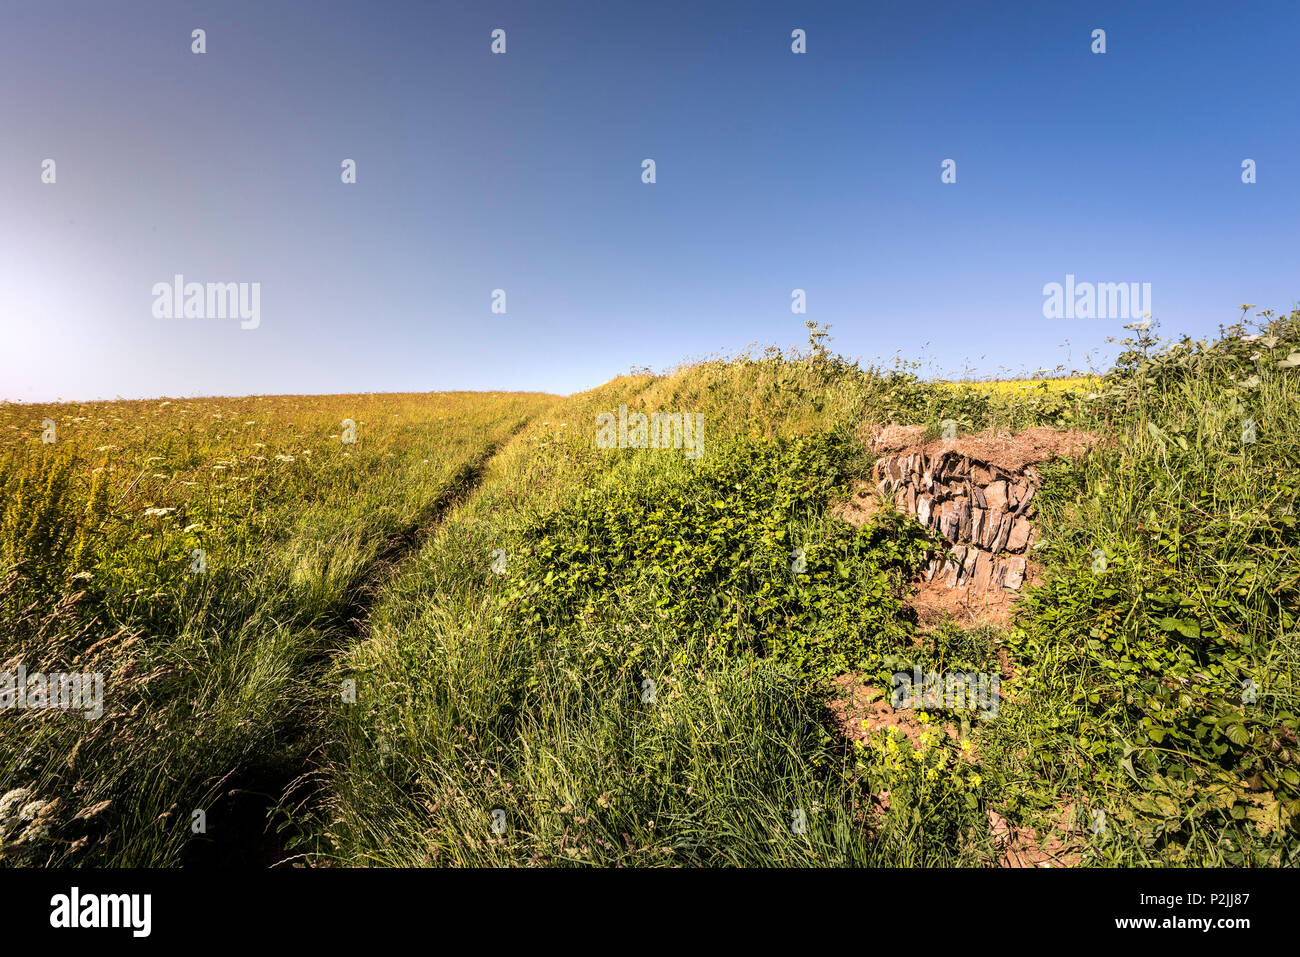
(255, 819)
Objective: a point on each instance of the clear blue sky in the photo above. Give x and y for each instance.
(523, 172)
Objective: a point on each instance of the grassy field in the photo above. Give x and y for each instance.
(207, 556)
(475, 636)
(1020, 387)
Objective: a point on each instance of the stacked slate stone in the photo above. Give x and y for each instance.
(984, 511)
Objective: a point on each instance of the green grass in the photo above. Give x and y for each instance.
(609, 657)
(208, 677)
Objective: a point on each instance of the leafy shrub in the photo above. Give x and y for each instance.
(1168, 623)
(718, 542)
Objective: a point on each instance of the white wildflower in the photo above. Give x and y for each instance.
(12, 800)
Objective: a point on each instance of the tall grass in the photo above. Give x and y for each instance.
(638, 687)
(1164, 642)
(608, 657)
(483, 704)
(208, 669)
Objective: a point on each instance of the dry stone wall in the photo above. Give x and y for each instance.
(985, 512)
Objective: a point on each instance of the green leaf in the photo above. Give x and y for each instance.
(1237, 734)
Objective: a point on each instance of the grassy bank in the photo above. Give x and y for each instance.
(645, 683)
(569, 654)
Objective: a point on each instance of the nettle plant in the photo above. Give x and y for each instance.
(737, 556)
(1177, 651)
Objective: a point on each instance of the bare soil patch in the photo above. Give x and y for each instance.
(862, 711)
(1014, 452)
(935, 602)
(895, 438)
(861, 505)
(1024, 847)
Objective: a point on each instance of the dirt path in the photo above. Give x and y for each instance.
(251, 822)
